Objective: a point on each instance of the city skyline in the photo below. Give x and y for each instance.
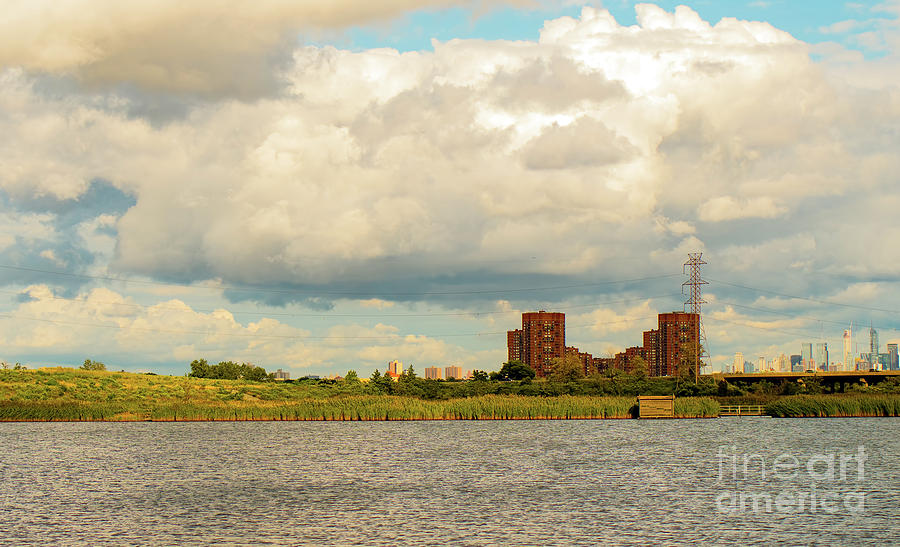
(318, 190)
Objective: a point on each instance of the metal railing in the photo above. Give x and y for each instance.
(742, 410)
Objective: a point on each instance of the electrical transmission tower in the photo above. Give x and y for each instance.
(695, 282)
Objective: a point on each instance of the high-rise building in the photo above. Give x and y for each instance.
(822, 355)
(782, 363)
(651, 352)
(806, 354)
(514, 345)
(453, 373)
(542, 339)
(678, 342)
(395, 369)
(873, 349)
(738, 363)
(796, 363)
(282, 375)
(432, 373)
(760, 364)
(893, 357)
(848, 350)
(586, 359)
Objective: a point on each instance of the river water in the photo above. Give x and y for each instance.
(463, 483)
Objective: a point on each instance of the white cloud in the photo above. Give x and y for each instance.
(728, 208)
(591, 153)
(105, 322)
(204, 46)
(376, 303)
(457, 155)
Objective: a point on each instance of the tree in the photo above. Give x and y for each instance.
(248, 371)
(639, 367)
(92, 365)
(688, 366)
(566, 369)
(480, 376)
(228, 370)
(199, 369)
(351, 377)
(515, 370)
(408, 374)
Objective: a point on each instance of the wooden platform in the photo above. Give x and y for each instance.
(656, 406)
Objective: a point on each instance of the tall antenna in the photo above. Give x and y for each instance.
(695, 282)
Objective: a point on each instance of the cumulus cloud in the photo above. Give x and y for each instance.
(598, 152)
(454, 155)
(106, 325)
(203, 47)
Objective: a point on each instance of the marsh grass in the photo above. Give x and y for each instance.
(827, 406)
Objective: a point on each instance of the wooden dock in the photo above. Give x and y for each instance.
(656, 406)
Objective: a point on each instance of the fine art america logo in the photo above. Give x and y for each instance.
(786, 483)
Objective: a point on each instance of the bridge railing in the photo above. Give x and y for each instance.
(742, 410)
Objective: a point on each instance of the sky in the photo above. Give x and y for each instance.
(321, 187)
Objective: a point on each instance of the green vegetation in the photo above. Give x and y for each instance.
(226, 370)
(696, 407)
(513, 370)
(92, 365)
(68, 394)
(812, 406)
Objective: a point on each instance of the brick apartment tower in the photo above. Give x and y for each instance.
(541, 339)
(677, 330)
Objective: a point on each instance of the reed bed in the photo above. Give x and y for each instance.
(696, 407)
(351, 408)
(829, 406)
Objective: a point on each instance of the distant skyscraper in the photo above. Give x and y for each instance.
(432, 373)
(822, 355)
(782, 364)
(893, 358)
(738, 362)
(796, 363)
(848, 350)
(873, 349)
(761, 364)
(806, 354)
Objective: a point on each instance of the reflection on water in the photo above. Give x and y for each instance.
(390, 483)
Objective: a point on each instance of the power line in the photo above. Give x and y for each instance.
(332, 292)
(818, 301)
(325, 315)
(395, 336)
(764, 310)
(770, 329)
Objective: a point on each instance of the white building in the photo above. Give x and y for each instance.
(738, 363)
(848, 349)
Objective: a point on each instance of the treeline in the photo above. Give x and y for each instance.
(510, 382)
(228, 370)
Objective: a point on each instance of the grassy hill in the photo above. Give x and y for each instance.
(68, 394)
